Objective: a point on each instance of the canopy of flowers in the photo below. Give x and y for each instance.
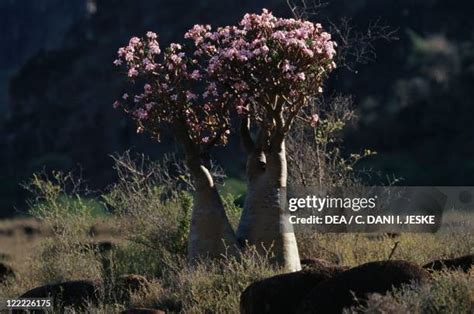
(167, 89)
(265, 68)
(270, 66)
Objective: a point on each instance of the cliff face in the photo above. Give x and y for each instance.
(59, 54)
(27, 27)
(61, 113)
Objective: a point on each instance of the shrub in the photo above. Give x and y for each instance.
(449, 292)
(65, 255)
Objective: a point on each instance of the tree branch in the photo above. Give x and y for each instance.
(246, 139)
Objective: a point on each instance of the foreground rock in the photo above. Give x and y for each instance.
(338, 292)
(6, 272)
(79, 293)
(142, 311)
(75, 293)
(463, 263)
(281, 293)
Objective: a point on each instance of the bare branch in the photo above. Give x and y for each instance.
(355, 46)
(305, 8)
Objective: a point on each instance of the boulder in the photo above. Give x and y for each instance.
(31, 231)
(281, 293)
(78, 293)
(342, 290)
(6, 272)
(70, 293)
(142, 311)
(463, 263)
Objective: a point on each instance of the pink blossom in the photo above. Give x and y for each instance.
(287, 67)
(175, 58)
(147, 88)
(118, 62)
(308, 52)
(125, 96)
(191, 96)
(151, 35)
(264, 49)
(195, 75)
(134, 41)
(314, 120)
(154, 48)
(149, 65)
(129, 56)
(301, 76)
(121, 52)
(132, 72)
(116, 104)
(141, 114)
(149, 106)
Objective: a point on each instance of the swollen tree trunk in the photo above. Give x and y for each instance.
(210, 234)
(264, 222)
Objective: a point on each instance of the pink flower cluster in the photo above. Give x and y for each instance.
(170, 93)
(266, 57)
(264, 67)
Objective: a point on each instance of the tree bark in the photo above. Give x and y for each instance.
(210, 234)
(264, 221)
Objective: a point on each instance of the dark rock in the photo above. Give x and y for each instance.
(6, 272)
(31, 231)
(79, 293)
(463, 263)
(70, 293)
(281, 293)
(142, 311)
(336, 293)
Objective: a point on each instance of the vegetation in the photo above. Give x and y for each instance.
(152, 242)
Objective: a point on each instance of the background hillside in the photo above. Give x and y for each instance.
(57, 84)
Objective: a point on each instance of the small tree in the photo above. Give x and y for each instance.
(270, 68)
(164, 95)
(266, 70)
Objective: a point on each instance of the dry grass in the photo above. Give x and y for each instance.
(216, 287)
(150, 236)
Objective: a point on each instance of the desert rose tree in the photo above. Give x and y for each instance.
(272, 68)
(165, 93)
